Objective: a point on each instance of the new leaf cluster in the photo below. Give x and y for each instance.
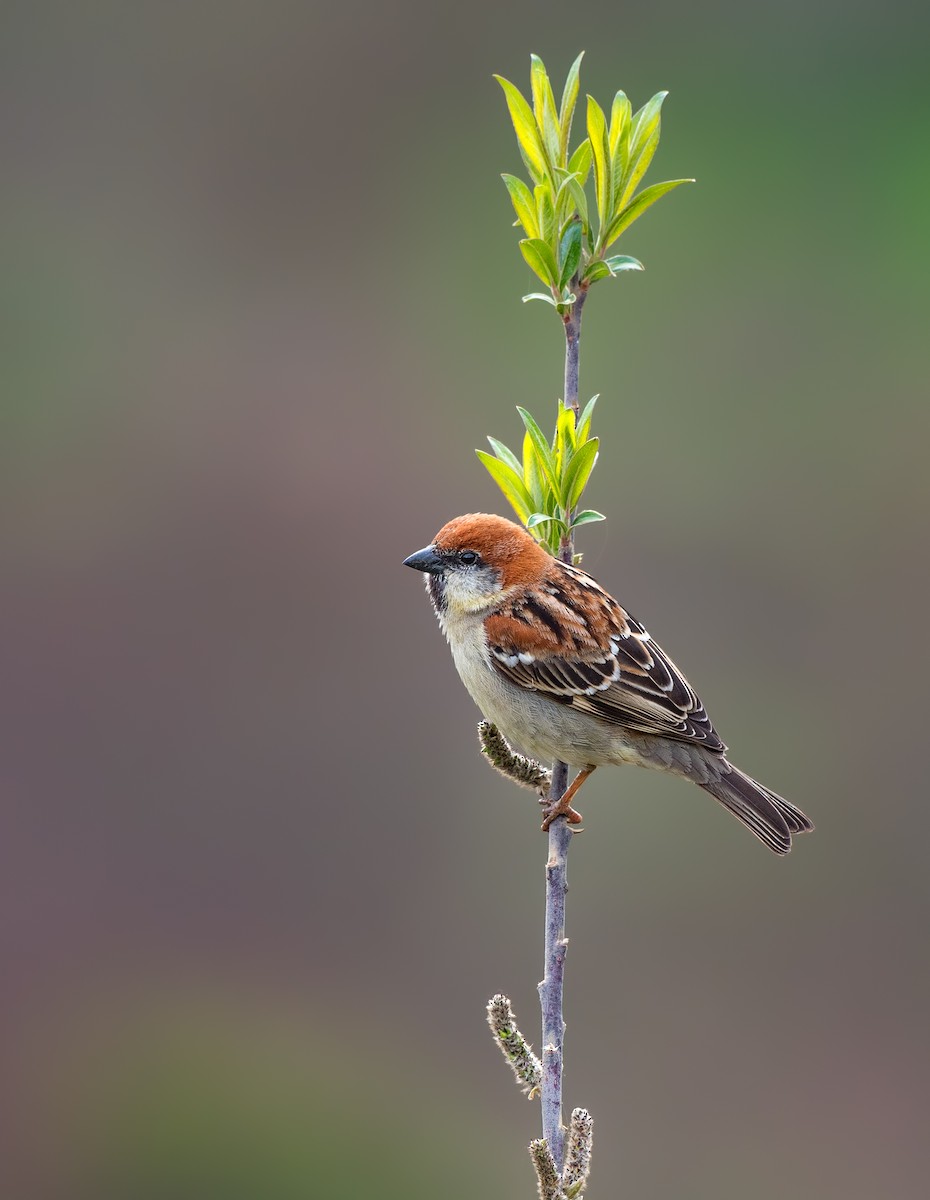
(545, 488)
(561, 245)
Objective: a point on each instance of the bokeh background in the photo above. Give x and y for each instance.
(260, 301)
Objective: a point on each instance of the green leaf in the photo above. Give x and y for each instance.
(506, 455)
(565, 431)
(602, 268)
(645, 123)
(626, 216)
(540, 296)
(567, 110)
(581, 200)
(542, 450)
(547, 119)
(637, 169)
(569, 252)
(523, 204)
(564, 448)
(619, 142)
(644, 141)
(545, 213)
(524, 126)
(509, 483)
(560, 175)
(564, 198)
(540, 257)
(619, 120)
(623, 262)
(538, 519)
(587, 518)
(580, 162)
(597, 133)
(579, 472)
(583, 424)
(532, 475)
(596, 270)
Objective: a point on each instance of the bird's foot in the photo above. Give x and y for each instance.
(559, 809)
(563, 806)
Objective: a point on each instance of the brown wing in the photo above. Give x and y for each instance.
(589, 652)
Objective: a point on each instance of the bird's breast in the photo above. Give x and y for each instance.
(532, 721)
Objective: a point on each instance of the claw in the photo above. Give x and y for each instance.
(563, 806)
(573, 818)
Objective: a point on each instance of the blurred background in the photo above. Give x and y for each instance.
(260, 301)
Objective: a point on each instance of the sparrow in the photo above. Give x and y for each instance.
(566, 673)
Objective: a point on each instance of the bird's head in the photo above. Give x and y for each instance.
(475, 561)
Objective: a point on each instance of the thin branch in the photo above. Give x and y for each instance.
(550, 989)
(560, 836)
(572, 321)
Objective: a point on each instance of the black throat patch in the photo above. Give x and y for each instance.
(436, 586)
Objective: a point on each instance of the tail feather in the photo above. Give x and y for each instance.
(772, 819)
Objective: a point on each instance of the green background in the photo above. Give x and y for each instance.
(260, 300)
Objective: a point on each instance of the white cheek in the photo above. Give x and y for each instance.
(468, 590)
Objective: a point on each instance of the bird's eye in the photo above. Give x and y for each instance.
(468, 557)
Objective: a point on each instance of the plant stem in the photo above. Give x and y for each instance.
(560, 836)
(550, 989)
(572, 322)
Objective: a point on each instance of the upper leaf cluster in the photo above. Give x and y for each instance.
(562, 246)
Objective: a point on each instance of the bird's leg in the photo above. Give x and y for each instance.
(563, 806)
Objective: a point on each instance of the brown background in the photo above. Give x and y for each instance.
(261, 301)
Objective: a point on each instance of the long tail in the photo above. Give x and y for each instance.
(765, 813)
